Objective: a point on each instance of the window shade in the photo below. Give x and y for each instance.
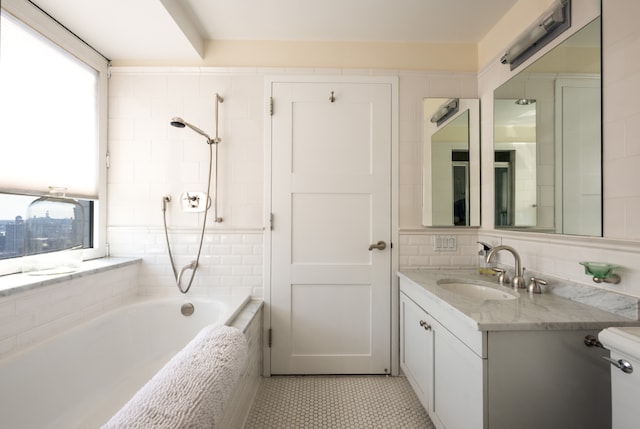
(48, 116)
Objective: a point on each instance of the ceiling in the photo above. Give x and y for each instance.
(177, 30)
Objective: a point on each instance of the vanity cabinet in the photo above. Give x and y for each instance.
(446, 375)
(416, 348)
(499, 379)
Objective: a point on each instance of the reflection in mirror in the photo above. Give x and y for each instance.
(451, 163)
(547, 141)
(515, 156)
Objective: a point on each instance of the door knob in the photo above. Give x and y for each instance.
(380, 245)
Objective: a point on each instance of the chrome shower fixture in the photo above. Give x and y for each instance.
(181, 123)
(193, 199)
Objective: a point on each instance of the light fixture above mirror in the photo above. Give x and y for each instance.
(547, 27)
(444, 112)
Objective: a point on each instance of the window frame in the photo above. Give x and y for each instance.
(33, 17)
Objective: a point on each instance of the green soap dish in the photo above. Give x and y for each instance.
(601, 270)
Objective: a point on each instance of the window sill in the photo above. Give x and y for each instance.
(18, 283)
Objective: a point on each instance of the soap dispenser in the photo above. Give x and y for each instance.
(483, 266)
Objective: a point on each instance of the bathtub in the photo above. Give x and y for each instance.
(80, 378)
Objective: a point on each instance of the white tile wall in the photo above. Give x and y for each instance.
(417, 250)
(150, 159)
(29, 317)
(230, 262)
(621, 75)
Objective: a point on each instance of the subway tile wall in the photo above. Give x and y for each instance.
(150, 159)
(29, 317)
(230, 262)
(621, 122)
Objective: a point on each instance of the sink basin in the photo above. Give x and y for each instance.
(472, 290)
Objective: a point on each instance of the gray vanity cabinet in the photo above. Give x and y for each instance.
(446, 375)
(499, 379)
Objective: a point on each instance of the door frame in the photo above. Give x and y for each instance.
(392, 81)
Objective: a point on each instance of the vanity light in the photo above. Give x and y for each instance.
(525, 101)
(445, 111)
(550, 24)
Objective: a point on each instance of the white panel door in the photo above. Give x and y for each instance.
(331, 199)
(579, 199)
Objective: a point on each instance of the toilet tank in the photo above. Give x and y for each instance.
(624, 344)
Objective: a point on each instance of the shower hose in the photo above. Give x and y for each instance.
(193, 265)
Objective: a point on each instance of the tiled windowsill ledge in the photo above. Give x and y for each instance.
(18, 283)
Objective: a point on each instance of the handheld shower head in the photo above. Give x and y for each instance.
(177, 122)
(181, 123)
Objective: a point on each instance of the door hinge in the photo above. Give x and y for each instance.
(270, 106)
(271, 221)
(108, 159)
(270, 337)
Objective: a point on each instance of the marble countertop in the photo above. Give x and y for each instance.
(547, 311)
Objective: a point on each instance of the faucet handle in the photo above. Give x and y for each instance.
(503, 277)
(534, 285)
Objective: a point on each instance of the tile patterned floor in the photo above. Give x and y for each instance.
(321, 402)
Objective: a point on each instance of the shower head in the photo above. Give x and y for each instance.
(181, 123)
(177, 122)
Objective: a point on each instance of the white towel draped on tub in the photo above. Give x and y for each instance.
(191, 389)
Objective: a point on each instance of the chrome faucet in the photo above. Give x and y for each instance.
(518, 281)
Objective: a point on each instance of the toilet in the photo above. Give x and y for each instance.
(624, 344)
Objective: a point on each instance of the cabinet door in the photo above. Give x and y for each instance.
(416, 349)
(458, 382)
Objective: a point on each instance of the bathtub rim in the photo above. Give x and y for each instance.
(234, 304)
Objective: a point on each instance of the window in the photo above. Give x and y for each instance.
(52, 125)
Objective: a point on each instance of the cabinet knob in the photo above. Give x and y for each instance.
(425, 325)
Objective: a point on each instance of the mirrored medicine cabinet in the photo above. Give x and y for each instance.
(548, 141)
(451, 162)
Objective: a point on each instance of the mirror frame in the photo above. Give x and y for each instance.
(472, 105)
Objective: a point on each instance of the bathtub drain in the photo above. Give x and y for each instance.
(187, 309)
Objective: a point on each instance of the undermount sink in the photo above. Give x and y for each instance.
(473, 290)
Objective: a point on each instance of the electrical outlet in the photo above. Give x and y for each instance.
(445, 243)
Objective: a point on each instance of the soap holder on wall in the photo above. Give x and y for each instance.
(602, 272)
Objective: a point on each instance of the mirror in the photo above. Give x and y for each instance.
(548, 144)
(451, 162)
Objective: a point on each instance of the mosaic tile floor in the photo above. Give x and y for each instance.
(321, 402)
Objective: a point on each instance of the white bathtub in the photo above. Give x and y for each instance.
(80, 378)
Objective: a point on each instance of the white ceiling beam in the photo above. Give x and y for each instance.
(186, 26)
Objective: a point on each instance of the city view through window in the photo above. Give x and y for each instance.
(52, 230)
